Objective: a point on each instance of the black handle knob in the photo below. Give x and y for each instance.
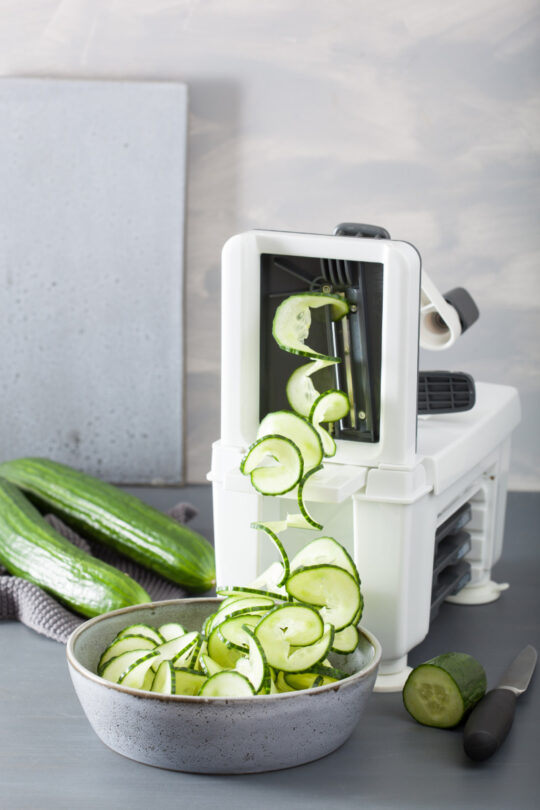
(489, 723)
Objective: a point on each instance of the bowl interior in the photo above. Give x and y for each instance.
(88, 642)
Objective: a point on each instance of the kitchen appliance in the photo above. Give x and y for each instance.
(417, 488)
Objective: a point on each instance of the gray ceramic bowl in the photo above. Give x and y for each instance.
(215, 735)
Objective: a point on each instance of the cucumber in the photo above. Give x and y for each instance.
(227, 684)
(280, 477)
(292, 320)
(106, 513)
(441, 692)
(330, 406)
(135, 675)
(30, 548)
(298, 430)
(329, 587)
(300, 390)
(124, 644)
(325, 550)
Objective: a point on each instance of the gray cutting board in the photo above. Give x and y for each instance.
(92, 188)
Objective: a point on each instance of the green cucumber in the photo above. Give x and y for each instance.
(30, 548)
(292, 320)
(298, 430)
(442, 691)
(124, 644)
(332, 589)
(111, 516)
(278, 478)
(227, 684)
(301, 393)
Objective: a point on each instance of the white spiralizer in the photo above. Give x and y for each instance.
(417, 488)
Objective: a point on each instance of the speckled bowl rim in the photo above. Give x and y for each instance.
(196, 699)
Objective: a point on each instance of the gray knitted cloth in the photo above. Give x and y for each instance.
(41, 612)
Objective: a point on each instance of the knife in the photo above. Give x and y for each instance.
(491, 718)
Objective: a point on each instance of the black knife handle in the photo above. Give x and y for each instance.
(489, 723)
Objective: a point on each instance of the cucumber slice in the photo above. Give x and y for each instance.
(279, 478)
(209, 666)
(292, 321)
(227, 684)
(170, 650)
(333, 589)
(232, 632)
(265, 527)
(118, 666)
(299, 431)
(188, 657)
(305, 520)
(171, 630)
(165, 679)
(441, 691)
(223, 654)
(325, 550)
(294, 637)
(124, 644)
(307, 680)
(330, 406)
(241, 591)
(135, 675)
(281, 683)
(238, 607)
(142, 630)
(268, 579)
(188, 681)
(255, 666)
(300, 390)
(345, 640)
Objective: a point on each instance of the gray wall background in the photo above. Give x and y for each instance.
(422, 116)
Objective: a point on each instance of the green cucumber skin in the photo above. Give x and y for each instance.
(467, 674)
(31, 549)
(107, 514)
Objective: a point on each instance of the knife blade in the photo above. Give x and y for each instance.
(491, 719)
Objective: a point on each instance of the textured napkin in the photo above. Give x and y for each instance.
(31, 605)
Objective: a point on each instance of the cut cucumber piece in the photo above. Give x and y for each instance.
(325, 550)
(299, 431)
(209, 666)
(300, 390)
(124, 644)
(268, 580)
(224, 654)
(294, 637)
(165, 679)
(441, 691)
(232, 631)
(142, 630)
(330, 406)
(255, 666)
(305, 520)
(171, 630)
(277, 478)
(170, 650)
(241, 591)
(346, 640)
(227, 684)
(332, 588)
(188, 681)
(307, 680)
(265, 527)
(189, 656)
(135, 675)
(238, 607)
(292, 321)
(118, 666)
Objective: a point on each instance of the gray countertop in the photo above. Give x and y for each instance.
(51, 759)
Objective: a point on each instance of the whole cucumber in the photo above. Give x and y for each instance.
(108, 514)
(33, 550)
